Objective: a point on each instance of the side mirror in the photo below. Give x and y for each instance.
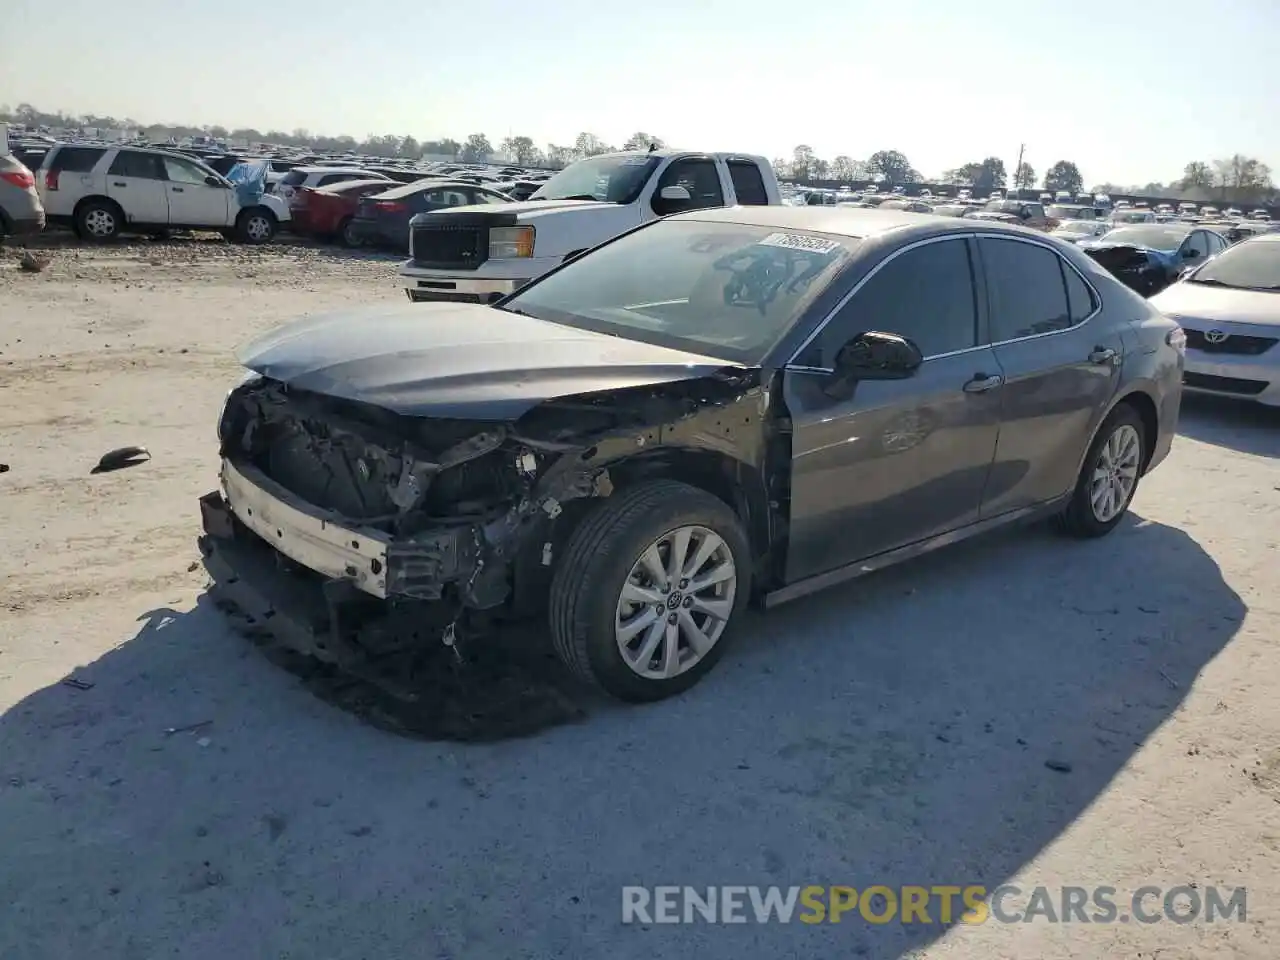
(1192, 254)
(212, 181)
(676, 194)
(876, 355)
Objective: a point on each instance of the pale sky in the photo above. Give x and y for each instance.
(1130, 91)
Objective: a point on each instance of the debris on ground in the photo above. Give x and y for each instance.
(1058, 766)
(76, 683)
(120, 458)
(31, 263)
(190, 727)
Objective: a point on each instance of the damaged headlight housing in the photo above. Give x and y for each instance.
(508, 243)
(247, 376)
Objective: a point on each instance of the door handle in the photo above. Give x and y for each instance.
(176, 189)
(981, 383)
(117, 183)
(1102, 355)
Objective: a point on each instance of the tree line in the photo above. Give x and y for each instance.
(1235, 179)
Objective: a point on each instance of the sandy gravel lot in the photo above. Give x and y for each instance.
(893, 732)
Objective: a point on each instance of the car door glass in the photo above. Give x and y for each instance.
(1081, 301)
(484, 196)
(699, 177)
(1027, 291)
(329, 178)
(179, 171)
(131, 163)
(925, 294)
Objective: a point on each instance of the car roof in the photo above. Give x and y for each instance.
(332, 169)
(858, 223)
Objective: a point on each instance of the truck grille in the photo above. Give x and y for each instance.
(1244, 346)
(442, 246)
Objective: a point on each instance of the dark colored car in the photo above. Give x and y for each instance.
(782, 399)
(328, 213)
(1148, 257)
(382, 220)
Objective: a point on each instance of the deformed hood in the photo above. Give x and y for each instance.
(1214, 304)
(463, 361)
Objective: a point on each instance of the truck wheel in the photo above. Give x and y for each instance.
(99, 220)
(255, 225)
(650, 583)
(1109, 478)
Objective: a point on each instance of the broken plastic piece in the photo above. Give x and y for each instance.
(120, 458)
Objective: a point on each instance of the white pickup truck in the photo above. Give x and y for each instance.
(479, 254)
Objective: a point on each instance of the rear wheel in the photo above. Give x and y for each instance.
(1109, 477)
(650, 583)
(99, 220)
(347, 233)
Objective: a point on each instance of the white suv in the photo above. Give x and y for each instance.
(101, 191)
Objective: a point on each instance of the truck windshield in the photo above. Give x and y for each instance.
(724, 290)
(613, 178)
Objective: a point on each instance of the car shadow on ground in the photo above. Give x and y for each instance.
(1235, 424)
(893, 731)
(283, 244)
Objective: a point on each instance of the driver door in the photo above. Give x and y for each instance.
(892, 462)
(1194, 250)
(700, 176)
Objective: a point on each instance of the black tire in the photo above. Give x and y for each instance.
(596, 563)
(1078, 518)
(346, 234)
(99, 221)
(255, 226)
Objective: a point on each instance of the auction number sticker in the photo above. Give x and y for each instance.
(800, 241)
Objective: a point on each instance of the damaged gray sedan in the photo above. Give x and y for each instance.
(719, 406)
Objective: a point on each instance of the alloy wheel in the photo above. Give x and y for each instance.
(676, 602)
(1115, 473)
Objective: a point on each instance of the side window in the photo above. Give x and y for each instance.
(748, 184)
(699, 177)
(925, 294)
(446, 198)
(1027, 289)
(1217, 244)
(180, 171)
(371, 189)
(484, 196)
(1080, 299)
(131, 163)
(329, 178)
(76, 159)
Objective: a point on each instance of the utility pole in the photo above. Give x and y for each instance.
(1022, 148)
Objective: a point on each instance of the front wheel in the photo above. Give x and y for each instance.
(1109, 477)
(347, 233)
(99, 221)
(649, 586)
(255, 226)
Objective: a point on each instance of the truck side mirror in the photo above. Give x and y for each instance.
(676, 194)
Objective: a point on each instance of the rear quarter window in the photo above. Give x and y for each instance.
(293, 178)
(76, 159)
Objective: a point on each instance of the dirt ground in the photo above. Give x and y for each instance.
(892, 732)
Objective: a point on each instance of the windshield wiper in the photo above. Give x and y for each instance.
(1209, 281)
(574, 196)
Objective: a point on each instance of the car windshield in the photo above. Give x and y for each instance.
(616, 178)
(1155, 237)
(1075, 227)
(1251, 265)
(1003, 206)
(725, 290)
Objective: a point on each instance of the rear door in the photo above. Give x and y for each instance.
(136, 181)
(192, 201)
(1061, 366)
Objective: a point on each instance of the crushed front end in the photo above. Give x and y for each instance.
(349, 533)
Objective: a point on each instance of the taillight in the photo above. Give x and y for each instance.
(51, 180)
(21, 179)
(1177, 338)
(390, 206)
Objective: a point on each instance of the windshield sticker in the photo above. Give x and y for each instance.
(800, 241)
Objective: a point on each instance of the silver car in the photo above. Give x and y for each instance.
(20, 209)
(1229, 307)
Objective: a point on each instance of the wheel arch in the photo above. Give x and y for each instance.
(99, 198)
(1144, 405)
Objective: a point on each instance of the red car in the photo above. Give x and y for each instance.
(326, 212)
